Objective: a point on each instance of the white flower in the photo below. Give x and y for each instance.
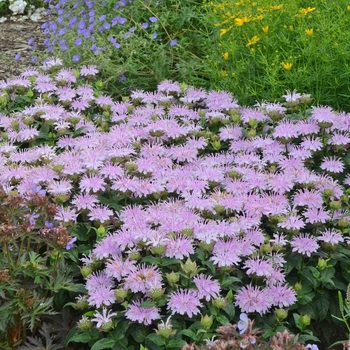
(104, 318)
(312, 346)
(18, 7)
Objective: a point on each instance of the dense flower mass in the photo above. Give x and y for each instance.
(190, 196)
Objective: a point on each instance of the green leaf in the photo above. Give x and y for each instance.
(148, 304)
(170, 261)
(228, 281)
(189, 333)
(176, 343)
(119, 332)
(156, 339)
(230, 310)
(78, 336)
(151, 259)
(138, 334)
(222, 319)
(105, 343)
(321, 302)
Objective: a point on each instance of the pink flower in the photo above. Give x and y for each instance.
(118, 268)
(332, 164)
(293, 222)
(316, 215)
(310, 198)
(184, 302)
(253, 299)
(103, 318)
(331, 236)
(179, 247)
(143, 279)
(304, 244)
(92, 183)
(207, 288)
(226, 253)
(100, 213)
(258, 267)
(282, 296)
(136, 313)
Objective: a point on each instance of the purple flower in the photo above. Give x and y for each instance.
(145, 25)
(62, 31)
(32, 219)
(141, 314)
(78, 42)
(31, 41)
(75, 58)
(18, 56)
(102, 18)
(184, 302)
(253, 299)
(154, 35)
(173, 42)
(70, 244)
(114, 42)
(63, 45)
(82, 24)
(153, 19)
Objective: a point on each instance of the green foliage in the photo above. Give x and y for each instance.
(263, 48)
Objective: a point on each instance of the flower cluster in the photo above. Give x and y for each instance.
(190, 194)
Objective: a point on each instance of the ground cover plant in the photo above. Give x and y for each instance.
(265, 47)
(188, 211)
(137, 43)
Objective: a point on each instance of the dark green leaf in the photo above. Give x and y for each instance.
(176, 343)
(156, 339)
(189, 333)
(105, 343)
(321, 301)
(230, 310)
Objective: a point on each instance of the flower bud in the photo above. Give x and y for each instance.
(84, 324)
(220, 303)
(298, 287)
(82, 303)
(253, 123)
(207, 247)
(121, 294)
(305, 320)
(206, 321)
(343, 223)
(281, 314)
(99, 84)
(30, 93)
(156, 293)
(106, 327)
(158, 249)
(322, 264)
(187, 232)
(86, 270)
(165, 330)
(328, 192)
(335, 205)
(190, 267)
(101, 231)
(173, 277)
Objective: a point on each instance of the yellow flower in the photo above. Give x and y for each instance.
(287, 66)
(253, 40)
(309, 32)
(304, 12)
(224, 73)
(240, 21)
(225, 55)
(265, 29)
(224, 31)
(276, 7)
(348, 7)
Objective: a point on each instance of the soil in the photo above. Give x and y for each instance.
(14, 38)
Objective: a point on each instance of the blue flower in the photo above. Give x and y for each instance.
(145, 25)
(243, 323)
(153, 19)
(18, 56)
(173, 42)
(78, 42)
(70, 244)
(75, 58)
(154, 35)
